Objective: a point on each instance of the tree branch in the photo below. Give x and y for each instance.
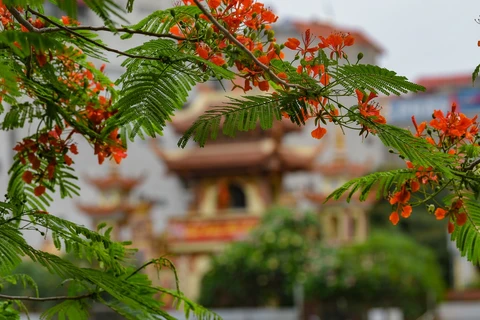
(233, 39)
(122, 30)
(32, 28)
(21, 19)
(100, 45)
(18, 16)
(473, 165)
(26, 298)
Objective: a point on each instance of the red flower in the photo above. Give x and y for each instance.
(214, 4)
(440, 213)
(336, 42)
(65, 20)
(414, 186)
(394, 218)
(38, 191)
(68, 160)
(419, 128)
(74, 149)
(319, 132)
(41, 59)
(27, 177)
(118, 154)
(292, 43)
(406, 211)
(202, 52)
(401, 196)
(218, 60)
(263, 85)
(451, 227)
(461, 219)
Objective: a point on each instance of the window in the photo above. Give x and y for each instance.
(231, 196)
(352, 228)
(334, 227)
(237, 197)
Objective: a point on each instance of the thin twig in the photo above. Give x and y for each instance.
(473, 165)
(121, 30)
(233, 39)
(122, 53)
(32, 28)
(21, 19)
(83, 296)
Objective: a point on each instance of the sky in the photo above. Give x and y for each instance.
(420, 37)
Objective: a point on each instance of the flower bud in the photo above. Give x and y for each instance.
(209, 33)
(360, 56)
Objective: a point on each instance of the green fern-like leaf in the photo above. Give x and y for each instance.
(105, 9)
(373, 78)
(242, 115)
(415, 149)
(383, 181)
(69, 309)
(150, 98)
(467, 237)
(24, 279)
(475, 73)
(153, 90)
(163, 20)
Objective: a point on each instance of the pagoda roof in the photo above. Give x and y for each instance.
(324, 29)
(261, 155)
(114, 181)
(205, 101)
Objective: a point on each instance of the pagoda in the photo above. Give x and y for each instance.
(342, 222)
(232, 182)
(130, 218)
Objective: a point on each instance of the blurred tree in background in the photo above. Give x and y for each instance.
(422, 228)
(263, 269)
(388, 270)
(46, 282)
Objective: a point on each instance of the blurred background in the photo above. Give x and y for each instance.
(244, 219)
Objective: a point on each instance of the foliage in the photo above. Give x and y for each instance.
(44, 283)
(264, 269)
(388, 270)
(421, 227)
(117, 283)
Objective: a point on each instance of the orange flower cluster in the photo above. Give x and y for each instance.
(337, 42)
(249, 21)
(455, 214)
(84, 94)
(6, 18)
(447, 133)
(402, 197)
(42, 154)
(321, 111)
(311, 66)
(368, 109)
(453, 130)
